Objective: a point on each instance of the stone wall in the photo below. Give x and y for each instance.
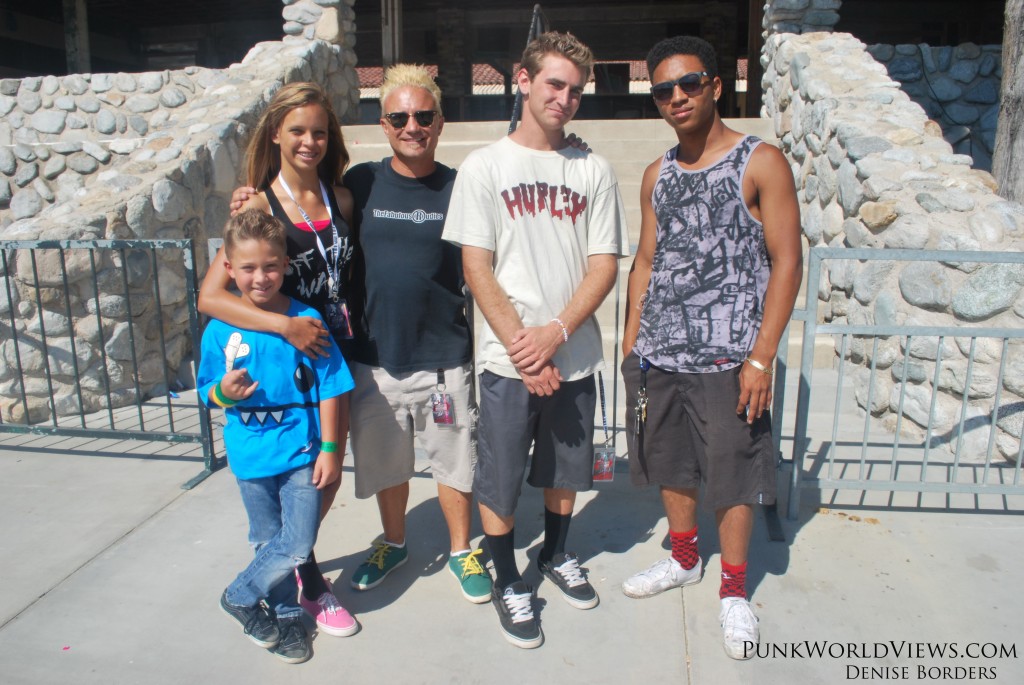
(333, 21)
(799, 16)
(956, 86)
(153, 155)
(59, 134)
(873, 171)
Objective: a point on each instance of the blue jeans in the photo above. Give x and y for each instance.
(284, 514)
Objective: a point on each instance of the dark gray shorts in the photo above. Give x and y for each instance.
(561, 428)
(693, 434)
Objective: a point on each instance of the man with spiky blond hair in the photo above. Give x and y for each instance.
(412, 350)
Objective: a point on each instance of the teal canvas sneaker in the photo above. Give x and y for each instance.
(472, 576)
(383, 560)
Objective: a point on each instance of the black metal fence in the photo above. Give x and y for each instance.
(97, 340)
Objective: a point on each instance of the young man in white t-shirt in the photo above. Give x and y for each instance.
(541, 225)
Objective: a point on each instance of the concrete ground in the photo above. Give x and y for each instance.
(111, 574)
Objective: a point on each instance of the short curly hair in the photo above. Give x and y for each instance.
(683, 45)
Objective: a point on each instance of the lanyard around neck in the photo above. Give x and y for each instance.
(333, 260)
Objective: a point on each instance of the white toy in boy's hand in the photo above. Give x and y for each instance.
(235, 349)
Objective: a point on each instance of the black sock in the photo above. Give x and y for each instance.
(313, 584)
(503, 554)
(556, 529)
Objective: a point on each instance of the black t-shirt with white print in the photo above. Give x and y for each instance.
(406, 292)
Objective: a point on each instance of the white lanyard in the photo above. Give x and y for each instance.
(332, 261)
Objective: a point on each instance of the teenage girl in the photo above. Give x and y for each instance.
(295, 160)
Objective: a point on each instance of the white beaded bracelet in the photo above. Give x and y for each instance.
(565, 331)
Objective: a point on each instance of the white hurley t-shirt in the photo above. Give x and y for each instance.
(542, 213)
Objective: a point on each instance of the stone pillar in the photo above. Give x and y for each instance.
(790, 16)
(76, 36)
(327, 20)
(800, 16)
(334, 22)
(348, 27)
(391, 31)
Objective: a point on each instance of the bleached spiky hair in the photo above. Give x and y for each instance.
(401, 75)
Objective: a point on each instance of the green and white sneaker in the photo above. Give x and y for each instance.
(472, 576)
(384, 559)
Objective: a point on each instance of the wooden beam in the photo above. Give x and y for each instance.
(76, 37)
(391, 31)
(754, 46)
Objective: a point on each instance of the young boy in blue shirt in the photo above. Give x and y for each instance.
(281, 435)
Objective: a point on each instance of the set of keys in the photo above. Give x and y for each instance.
(641, 396)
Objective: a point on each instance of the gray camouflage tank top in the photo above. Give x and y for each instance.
(710, 271)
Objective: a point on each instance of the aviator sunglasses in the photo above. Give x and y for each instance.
(425, 117)
(690, 84)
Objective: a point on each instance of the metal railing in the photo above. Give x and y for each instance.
(101, 304)
(538, 25)
(44, 347)
(911, 453)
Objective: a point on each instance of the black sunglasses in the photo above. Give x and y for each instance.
(425, 117)
(690, 84)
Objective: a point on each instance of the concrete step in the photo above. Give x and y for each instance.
(657, 130)
(648, 130)
(452, 153)
(629, 144)
(633, 143)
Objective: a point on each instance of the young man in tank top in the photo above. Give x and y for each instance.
(711, 290)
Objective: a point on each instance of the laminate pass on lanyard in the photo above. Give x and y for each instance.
(441, 404)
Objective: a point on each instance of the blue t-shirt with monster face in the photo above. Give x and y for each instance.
(277, 429)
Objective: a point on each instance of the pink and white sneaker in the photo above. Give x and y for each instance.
(330, 616)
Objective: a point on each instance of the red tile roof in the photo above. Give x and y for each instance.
(485, 74)
(372, 77)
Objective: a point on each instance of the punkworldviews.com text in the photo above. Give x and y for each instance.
(821, 649)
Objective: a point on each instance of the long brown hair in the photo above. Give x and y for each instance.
(263, 157)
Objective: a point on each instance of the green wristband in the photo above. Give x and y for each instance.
(328, 446)
(222, 399)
